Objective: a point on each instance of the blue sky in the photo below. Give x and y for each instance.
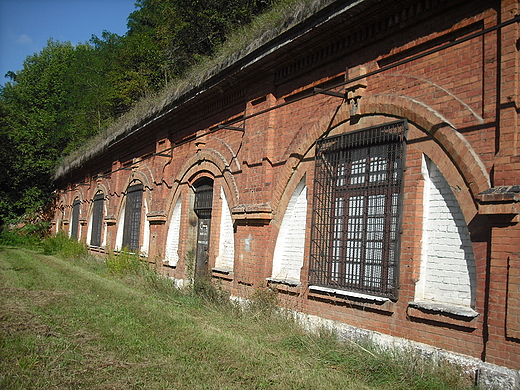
(26, 25)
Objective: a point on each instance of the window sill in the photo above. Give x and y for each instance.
(442, 314)
(96, 249)
(285, 286)
(287, 282)
(222, 273)
(168, 265)
(352, 299)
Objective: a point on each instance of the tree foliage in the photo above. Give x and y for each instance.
(68, 93)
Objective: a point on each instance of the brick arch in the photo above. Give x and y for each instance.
(301, 145)
(211, 161)
(100, 187)
(134, 177)
(456, 146)
(143, 167)
(430, 121)
(59, 213)
(77, 193)
(141, 177)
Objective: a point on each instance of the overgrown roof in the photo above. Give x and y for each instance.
(242, 49)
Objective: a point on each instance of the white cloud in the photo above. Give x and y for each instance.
(24, 38)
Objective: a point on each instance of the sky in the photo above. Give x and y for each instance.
(27, 25)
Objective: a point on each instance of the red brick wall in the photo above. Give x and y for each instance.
(460, 102)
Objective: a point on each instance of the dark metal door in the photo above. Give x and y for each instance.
(202, 247)
(202, 207)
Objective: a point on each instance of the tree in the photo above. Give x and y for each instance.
(66, 94)
(35, 125)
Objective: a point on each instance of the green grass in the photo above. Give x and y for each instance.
(76, 323)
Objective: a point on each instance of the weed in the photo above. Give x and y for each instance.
(20, 237)
(63, 246)
(210, 292)
(123, 263)
(263, 302)
(78, 326)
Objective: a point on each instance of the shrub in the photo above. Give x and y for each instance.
(263, 302)
(63, 246)
(123, 262)
(206, 289)
(23, 235)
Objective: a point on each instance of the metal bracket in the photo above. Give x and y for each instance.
(230, 128)
(162, 155)
(330, 93)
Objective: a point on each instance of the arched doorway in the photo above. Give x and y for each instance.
(202, 208)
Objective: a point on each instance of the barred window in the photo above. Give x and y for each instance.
(75, 219)
(356, 207)
(132, 224)
(97, 220)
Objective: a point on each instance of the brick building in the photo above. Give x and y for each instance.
(364, 163)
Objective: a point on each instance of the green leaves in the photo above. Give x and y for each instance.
(67, 94)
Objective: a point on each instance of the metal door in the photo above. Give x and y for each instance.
(201, 266)
(202, 207)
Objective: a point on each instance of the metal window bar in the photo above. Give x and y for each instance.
(203, 201)
(132, 224)
(356, 210)
(75, 219)
(97, 219)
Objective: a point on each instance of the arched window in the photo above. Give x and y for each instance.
(226, 248)
(97, 219)
(356, 207)
(132, 218)
(74, 224)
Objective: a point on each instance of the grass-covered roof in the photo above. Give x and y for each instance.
(251, 41)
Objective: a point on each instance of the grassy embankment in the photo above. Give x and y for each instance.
(75, 322)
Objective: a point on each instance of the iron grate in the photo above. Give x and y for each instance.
(356, 210)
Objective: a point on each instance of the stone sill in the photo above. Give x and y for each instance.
(252, 213)
(222, 273)
(156, 217)
(141, 255)
(96, 249)
(110, 220)
(288, 282)
(353, 299)
(286, 286)
(168, 265)
(443, 314)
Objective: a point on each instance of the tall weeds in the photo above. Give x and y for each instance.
(283, 352)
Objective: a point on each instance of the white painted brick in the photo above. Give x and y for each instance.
(447, 269)
(119, 234)
(289, 249)
(171, 254)
(226, 250)
(146, 234)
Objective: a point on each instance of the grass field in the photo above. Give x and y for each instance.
(75, 323)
